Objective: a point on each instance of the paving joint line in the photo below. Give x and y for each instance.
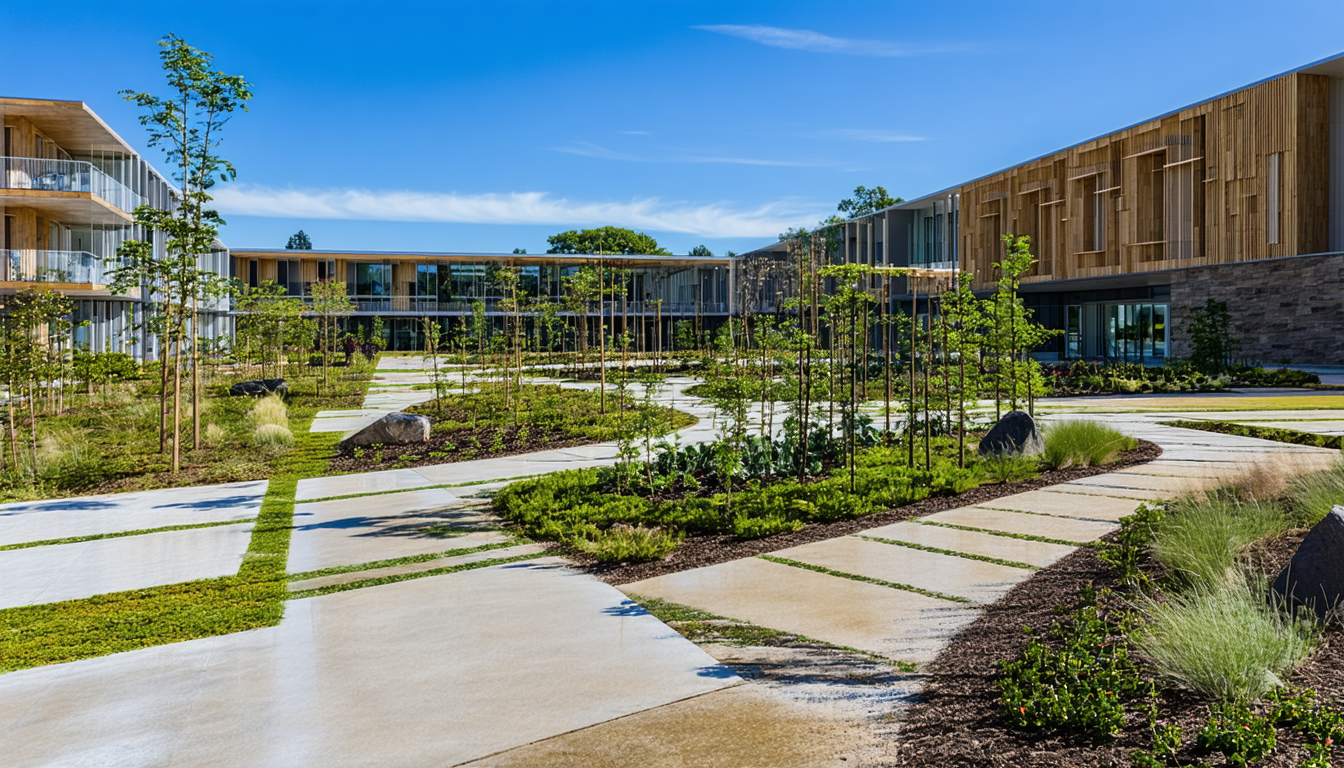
(1010, 535)
(951, 552)
(865, 579)
(122, 534)
(393, 579)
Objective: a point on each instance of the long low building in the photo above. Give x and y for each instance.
(1239, 199)
(649, 294)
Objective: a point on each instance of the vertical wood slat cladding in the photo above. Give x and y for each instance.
(1188, 189)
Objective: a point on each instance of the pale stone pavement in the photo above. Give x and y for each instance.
(509, 658)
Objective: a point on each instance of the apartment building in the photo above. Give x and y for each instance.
(651, 293)
(68, 187)
(1239, 198)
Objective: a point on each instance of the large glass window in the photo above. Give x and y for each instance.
(1073, 331)
(468, 280)
(1134, 332)
(373, 279)
(427, 280)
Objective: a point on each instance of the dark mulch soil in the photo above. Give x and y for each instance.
(458, 445)
(956, 721)
(709, 550)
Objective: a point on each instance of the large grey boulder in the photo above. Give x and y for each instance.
(1315, 575)
(259, 387)
(392, 429)
(1015, 433)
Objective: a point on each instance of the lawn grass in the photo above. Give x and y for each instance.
(1277, 434)
(52, 633)
(1228, 402)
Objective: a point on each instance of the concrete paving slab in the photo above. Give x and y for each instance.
(435, 671)
(1320, 427)
(1172, 486)
(58, 572)
(428, 565)
(1063, 528)
(362, 483)
(1163, 468)
(1049, 502)
(383, 527)
(974, 580)
(26, 521)
(1134, 494)
(890, 622)
(1038, 553)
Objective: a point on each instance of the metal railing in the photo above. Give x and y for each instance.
(415, 305)
(65, 176)
(33, 266)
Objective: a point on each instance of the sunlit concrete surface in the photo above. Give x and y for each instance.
(1024, 523)
(55, 572)
(1038, 553)
(386, 526)
(436, 671)
(900, 625)
(975, 580)
(26, 521)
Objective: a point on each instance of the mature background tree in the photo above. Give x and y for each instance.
(701, 250)
(186, 124)
(299, 242)
(520, 250)
(605, 240)
(866, 201)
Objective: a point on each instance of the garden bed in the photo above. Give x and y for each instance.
(1277, 434)
(480, 425)
(699, 551)
(957, 721)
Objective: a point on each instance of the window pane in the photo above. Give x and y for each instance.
(1160, 330)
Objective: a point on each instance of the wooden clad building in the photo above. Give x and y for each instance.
(1239, 198)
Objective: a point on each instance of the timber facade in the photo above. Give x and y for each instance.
(1134, 229)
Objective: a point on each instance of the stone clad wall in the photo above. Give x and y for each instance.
(1283, 310)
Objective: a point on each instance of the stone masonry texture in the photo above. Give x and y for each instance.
(1283, 310)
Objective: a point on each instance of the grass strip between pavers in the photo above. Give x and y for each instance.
(121, 534)
(1008, 535)
(697, 625)
(1277, 434)
(408, 560)
(380, 580)
(51, 633)
(865, 579)
(952, 552)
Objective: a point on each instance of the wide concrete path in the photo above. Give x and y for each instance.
(433, 672)
(904, 590)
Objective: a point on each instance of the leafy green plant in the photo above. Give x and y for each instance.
(760, 527)
(1079, 679)
(1130, 550)
(1237, 732)
(1082, 443)
(1225, 642)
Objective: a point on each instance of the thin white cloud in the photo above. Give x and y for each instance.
(706, 220)
(861, 134)
(588, 149)
(807, 40)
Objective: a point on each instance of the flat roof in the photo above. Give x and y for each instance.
(471, 256)
(69, 123)
(1332, 66)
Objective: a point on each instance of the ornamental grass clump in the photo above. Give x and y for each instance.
(1224, 641)
(1311, 496)
(1081, 443)
(628, 543)
(1199, 538)
(272, 436)
(269, 410)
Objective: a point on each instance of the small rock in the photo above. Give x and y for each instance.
(259, 387)
(392, 429)
(1315, 575)
(1015, 433)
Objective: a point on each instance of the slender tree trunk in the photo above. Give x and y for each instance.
(163, 393)
(914, 319)
(195, 378)
(177, 404)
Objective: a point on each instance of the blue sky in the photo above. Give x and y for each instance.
(485, 126)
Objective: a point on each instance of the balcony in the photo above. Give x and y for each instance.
(65, 176)
(71, 267)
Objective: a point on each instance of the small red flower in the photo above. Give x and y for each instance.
(1023, 710)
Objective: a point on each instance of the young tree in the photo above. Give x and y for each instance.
(186, 124)
(329, 302)
(1211, 342)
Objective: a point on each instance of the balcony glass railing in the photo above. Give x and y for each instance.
(65, 176)
(31, 266)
